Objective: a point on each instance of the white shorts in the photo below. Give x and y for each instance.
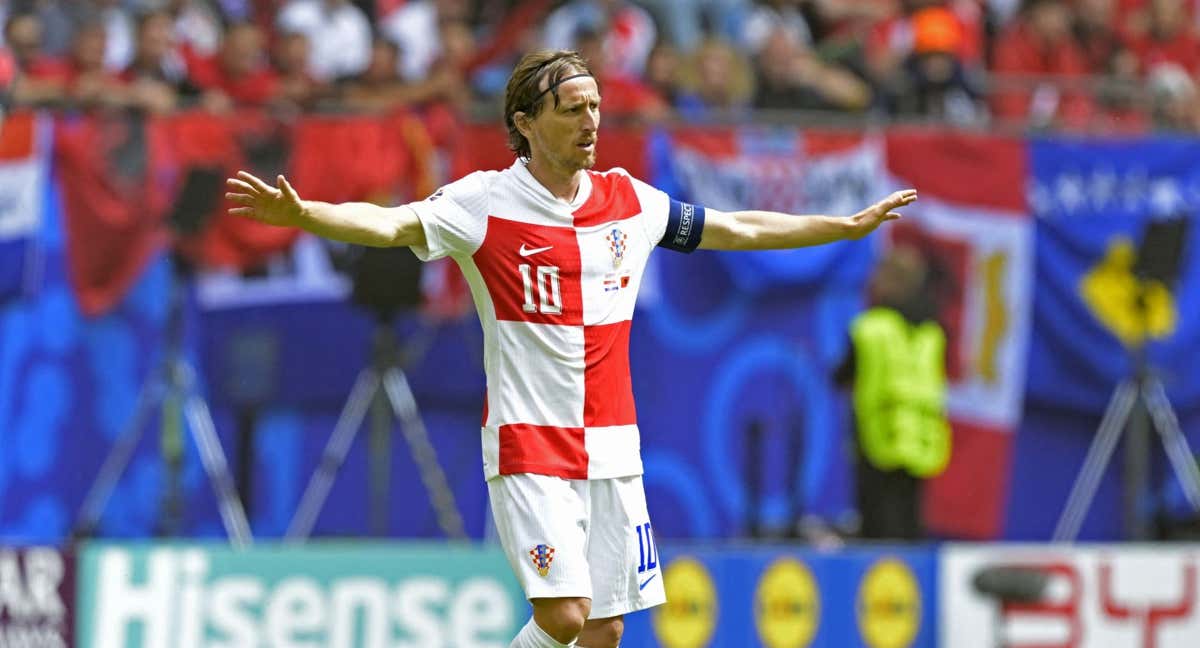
(579, 538)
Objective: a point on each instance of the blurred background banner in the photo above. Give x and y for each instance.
(1088, 596)
(26, 142)
(1093, 201)
(783, 169)
(973, 224)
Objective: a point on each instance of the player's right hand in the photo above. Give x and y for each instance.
(279, 205)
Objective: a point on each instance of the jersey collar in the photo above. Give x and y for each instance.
(581, 197)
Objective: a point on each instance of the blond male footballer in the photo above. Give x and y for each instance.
(554, 255)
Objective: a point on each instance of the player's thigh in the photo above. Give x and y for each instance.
(541, 523)
(622, 550)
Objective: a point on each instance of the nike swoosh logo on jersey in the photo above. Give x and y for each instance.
(524, 251)
(646, 582)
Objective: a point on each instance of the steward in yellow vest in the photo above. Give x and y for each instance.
(900, 392)
(896, 370)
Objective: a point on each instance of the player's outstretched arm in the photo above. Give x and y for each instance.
(764, 230)
(357, 223)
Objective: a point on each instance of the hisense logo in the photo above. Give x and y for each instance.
(172, 601)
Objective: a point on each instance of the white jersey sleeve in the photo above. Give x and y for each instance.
(655, 207)
(454, 218)
(667, 222)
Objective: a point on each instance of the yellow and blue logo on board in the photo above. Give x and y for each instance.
(689, 617)
(787, 605)
(889, 605)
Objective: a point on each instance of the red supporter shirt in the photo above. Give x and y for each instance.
(255, 88)
(1020, 54)
(1183, 49)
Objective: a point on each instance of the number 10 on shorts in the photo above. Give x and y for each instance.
(647, 553)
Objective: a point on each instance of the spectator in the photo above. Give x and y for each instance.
(83, 78)
(57, 18)
(1103, 46)
(157, 73)
(292, 56)
(896, 368)
(1038, 55)
(458, 48)
(338, 32)
(685, 22)
(662, 71)
(197, 28)
(23, 36)
(1166, 36)
(379, 88)
(719, 82)
(622, 96)
(629, 33)
(29, 72)
(1107, 55)
(767, 17)
(414, 29)
(238, 73)
(118, 34)
(792, 77)
(891, 41)
(934, 80)
(155, 57)
(1173, 99)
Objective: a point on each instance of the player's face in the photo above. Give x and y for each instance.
(564, 136)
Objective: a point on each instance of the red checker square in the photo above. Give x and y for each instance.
(532, 272)
(607, 387)
(613, 198)
(543, 449)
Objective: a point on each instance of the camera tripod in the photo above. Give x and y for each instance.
(383, 384)
(1143, 390)
(172, 386)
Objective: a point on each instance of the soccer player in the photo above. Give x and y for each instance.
(554, 255)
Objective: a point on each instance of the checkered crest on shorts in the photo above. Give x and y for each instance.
(542, 555)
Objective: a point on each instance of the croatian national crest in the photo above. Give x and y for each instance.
(616, 245)
(542, 555)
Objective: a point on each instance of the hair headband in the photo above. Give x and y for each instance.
(554, 85)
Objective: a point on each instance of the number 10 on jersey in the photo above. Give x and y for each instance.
(647, 553)
(548, 288)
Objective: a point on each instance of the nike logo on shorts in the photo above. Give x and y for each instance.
(646, 582)
(524, 251)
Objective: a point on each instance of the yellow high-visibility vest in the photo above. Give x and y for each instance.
(900, 392)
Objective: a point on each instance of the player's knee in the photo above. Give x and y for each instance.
(604, 633)
(562, 618)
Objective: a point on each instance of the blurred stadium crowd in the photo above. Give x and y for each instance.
(1097, 65)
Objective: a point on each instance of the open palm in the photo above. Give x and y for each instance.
(279, 205)
(867, 220)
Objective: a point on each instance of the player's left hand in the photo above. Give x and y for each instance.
(867, 220)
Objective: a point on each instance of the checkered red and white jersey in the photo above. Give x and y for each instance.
(555, 285)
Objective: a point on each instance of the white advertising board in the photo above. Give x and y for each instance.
(1084, 596)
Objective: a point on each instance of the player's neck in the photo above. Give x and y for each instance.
(559, 182)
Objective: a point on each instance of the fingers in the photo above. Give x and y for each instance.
(891, 216)
(287, 189)
(901, 198)
(241, 187)
(241, 199)
(254, 181)
(241, 211)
